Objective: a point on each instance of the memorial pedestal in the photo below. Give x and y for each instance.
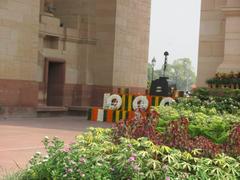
(159, 87)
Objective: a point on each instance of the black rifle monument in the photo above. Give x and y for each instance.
(160, 87)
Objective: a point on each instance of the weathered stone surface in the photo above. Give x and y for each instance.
(219, 38)
(102, 43)
(19, 39)
(131, 42)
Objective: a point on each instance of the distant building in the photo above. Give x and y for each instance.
(219, 48)
(70, 52)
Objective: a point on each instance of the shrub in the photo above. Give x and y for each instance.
(211, 135)
(142, 125)
(226, 93)
(223, 78)
(94, 155)
(219, 104)
(202, 121)
(233, 145)
(175, 135)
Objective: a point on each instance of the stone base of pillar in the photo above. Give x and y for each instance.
(227, 68)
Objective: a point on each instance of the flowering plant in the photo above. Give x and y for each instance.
(95, 155)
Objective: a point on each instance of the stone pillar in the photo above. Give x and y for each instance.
(211, 43)
(131, 44)
(232, 38)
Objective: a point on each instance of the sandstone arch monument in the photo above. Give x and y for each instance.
(70, 52)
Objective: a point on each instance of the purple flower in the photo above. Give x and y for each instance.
(66, 149)
(82, 160)
(168, 178)
(131, 159)
(129, 145)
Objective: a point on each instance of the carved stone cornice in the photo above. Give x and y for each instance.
(82, 40)
(231, 11)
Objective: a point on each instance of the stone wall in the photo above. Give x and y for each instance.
(102, 43)
(121, 30)
(19, 28)
(121, 43)
(85, 37)
(94, 21)
(231, 60)
(219, 49)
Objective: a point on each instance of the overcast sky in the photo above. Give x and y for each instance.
(175, 28)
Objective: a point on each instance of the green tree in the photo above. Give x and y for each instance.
(179, 72)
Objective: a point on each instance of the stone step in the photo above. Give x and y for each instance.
(78, 110)
(52, 109)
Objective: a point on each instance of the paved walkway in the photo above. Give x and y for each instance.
(20, 138)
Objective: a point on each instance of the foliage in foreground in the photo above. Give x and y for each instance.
(176, 134)
(96, 156)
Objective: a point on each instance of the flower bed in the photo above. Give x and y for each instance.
(202, 122)
(95, 155)
(197, 138)
(182, 133)
(223, 101)
(224, 80)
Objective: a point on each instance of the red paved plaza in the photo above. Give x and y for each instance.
(20, 138)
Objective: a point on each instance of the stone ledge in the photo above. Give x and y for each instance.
(51, 109)
(231, 11)
(78, 108)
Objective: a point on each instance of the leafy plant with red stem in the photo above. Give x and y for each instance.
(176, 135)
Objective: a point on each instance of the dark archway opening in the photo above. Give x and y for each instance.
(55, 83)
